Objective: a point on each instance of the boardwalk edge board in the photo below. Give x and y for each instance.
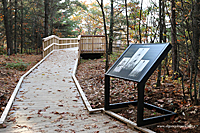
(90, 110)
(128, 122)
(12, 98)
(87, 104)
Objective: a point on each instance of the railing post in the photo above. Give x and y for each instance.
(43, 48)
(79, 40)
(92, 44)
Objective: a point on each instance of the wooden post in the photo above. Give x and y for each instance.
(92, 44)
(43, 48)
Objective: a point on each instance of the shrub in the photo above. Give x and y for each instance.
(21, 66)
(2, 50)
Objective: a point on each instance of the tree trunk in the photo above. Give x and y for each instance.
(111, 29)
(127, 24)
(196, 30)
(15, 38)
(46, 4)
(11, 24)
(173, 38)
(52, 11)
(160, 37)
(195, 45)
(105, 30)
(140, 22)
(22, 27)
(165, 40)
(7, 28)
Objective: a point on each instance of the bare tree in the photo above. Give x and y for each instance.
(195, 45)
(46, 4)
(140, 22)
(22, 26)
(173, 37)
(111, 29)
(7, 28)
(104, 22)
(15, 37)
(127, 23)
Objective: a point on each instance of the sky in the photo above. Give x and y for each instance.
(145, 2)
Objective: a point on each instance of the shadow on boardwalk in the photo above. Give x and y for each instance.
(48, 101)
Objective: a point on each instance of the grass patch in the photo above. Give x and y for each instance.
(114, 56)
(21, 66)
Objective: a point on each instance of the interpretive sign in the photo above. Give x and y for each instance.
(137, 63)
(137, 60)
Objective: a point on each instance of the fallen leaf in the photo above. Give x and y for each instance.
(47, 107)
(46, 126)
(58, 130)
(25, 108)
(86, 127)
(160, 101)
(29, 117)
(71, 123)
(113, 127)
(106, 122)
(60, 125)
(3, 126)
(94, 120)
(11, 119)
(49, 117)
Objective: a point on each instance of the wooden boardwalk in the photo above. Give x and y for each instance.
(48, 101)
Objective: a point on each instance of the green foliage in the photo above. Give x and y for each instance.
(114, 56)
(83, 61)
(63, 24)
(2, 51)
(21, 66)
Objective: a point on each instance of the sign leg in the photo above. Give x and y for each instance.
(140, 104)
(107, 92)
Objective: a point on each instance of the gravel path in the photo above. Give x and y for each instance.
(48, 101)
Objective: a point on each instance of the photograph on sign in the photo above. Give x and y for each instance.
(135, 59)
(141, 65)
(121, 64)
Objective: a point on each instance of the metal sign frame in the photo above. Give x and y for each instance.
(126, 68)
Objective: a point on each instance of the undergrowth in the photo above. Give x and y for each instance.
(21, 66)
(2, 51)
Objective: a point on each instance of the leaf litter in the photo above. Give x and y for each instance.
(90, 75)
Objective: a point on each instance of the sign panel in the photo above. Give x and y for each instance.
(137, 60)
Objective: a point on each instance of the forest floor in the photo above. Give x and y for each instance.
(11, 69)
(90, 74)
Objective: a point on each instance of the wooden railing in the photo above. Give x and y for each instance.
(86, 44)
(92, 44)
(53, 42)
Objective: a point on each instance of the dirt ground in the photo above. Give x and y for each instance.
(11, 69)
(90, 75)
